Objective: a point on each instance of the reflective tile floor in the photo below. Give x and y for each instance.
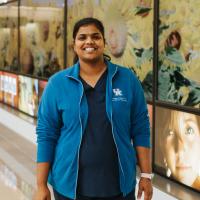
(17, 167)
(11, 186)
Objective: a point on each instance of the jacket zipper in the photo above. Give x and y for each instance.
(81, 135)
(114, 136)
(80, 142)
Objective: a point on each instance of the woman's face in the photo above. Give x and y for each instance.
(116, 39)
(144, 3)
(116, 32)
(174, 41)
(89, 43)
(182, 148)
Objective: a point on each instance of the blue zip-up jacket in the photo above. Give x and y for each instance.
(62, 118)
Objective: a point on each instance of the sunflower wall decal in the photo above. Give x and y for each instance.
(179, 53)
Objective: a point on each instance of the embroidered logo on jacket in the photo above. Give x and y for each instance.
(118, 95)
(117, 92)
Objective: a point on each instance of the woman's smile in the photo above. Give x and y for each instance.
(90, 49)
(89, 44)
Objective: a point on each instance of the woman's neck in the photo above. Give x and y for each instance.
(91, 72)
(92, 68)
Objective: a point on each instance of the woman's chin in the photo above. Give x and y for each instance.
(91, 59)
(186, 176)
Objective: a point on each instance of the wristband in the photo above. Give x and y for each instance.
(146, 175)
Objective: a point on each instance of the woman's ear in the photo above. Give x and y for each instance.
(105, 43)
(73, 46)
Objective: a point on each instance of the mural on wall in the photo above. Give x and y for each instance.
(179, 52)
(28, 95)
(42, 33)
(9, 37)
(177, 146)
(128, 32)
(1, 86)
(9, 88)
(46, 3)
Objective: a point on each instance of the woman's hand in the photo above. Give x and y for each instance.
(145, 185)
(43, 193)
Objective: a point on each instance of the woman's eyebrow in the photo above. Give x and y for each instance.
(90, 34)
(190, 120)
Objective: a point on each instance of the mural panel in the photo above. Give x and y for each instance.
(177, 146)
(9, 37)
(9, 87)
(28, 95)
(179, 53)
(41, 32)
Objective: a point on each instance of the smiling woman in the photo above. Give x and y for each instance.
(89, 38)
(92, 121)
(89, 43)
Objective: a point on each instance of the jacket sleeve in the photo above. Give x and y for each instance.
(48, 125)
(140, 126)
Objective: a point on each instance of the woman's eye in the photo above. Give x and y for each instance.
(81, 37)
(189, 131)
(96, 37)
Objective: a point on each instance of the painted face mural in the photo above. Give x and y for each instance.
(179, 141)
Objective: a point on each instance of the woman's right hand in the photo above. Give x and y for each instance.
(43, 193)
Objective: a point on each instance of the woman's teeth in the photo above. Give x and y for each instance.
(89, 49)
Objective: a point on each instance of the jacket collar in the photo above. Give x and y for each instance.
(73, 71)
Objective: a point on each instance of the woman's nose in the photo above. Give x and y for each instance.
(180, 150)
(179, 145)
(89, 40)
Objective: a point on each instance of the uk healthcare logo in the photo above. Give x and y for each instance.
(118, 95)
(117, 92)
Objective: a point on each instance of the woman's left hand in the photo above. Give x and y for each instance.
(145, 185)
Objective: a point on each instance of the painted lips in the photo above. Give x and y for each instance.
(183, 167)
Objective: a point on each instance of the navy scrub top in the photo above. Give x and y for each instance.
(98, 161)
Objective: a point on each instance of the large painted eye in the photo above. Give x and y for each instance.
(189, 131)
